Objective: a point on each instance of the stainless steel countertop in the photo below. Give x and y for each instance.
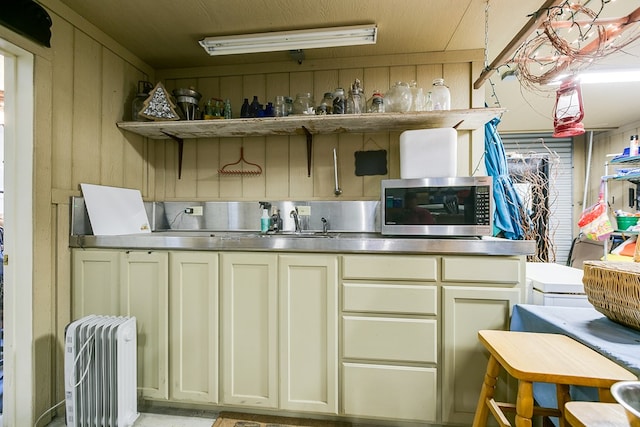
(306, 242)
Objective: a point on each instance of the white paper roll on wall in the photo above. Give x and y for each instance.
(428, 153)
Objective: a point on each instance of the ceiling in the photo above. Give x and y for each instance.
(165, 34)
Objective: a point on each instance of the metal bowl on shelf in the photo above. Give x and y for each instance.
(187, 100)
(627, 394)
(187, 92)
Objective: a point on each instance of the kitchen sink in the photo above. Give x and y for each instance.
(301, 235)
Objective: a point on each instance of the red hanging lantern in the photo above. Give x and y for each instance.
(568, 110)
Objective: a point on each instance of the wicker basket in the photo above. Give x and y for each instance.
(614, 290)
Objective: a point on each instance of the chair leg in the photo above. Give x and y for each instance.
(562, 397)
(604, 394)
(487, 392)
(524, 404)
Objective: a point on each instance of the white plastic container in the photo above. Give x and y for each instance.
(428, 153)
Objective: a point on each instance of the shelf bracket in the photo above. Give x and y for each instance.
(309, 149)
(180, 142)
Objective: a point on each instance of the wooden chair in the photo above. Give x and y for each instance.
(547, 358)
(595, 414)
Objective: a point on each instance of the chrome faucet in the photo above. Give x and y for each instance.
(294, 214)
(325, 225)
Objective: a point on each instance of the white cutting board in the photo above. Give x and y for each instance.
(428, 153)
(113, 210)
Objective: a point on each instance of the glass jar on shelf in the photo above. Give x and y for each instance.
(398, 98)
(440, 95)
(327, 102)
(288, 106)
(339, 101)
(137, 105)
(428, 105)
(375, 104)
(356, 104)
(418, 98)
(303, 104)
(280, 107)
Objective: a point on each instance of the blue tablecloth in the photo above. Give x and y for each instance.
(586, 325)
(613, 340)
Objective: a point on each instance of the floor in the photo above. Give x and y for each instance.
(158, 420)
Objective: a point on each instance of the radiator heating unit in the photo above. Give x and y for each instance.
(100, 372)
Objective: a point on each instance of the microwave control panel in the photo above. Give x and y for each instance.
(483, 205)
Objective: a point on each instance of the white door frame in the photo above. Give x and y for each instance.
(19, 387)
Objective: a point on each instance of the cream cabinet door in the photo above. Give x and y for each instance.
(249, 321)
(193, 321)
(144, 288)
(309, 333)
(390, 391)
(466, 310)
(95, 282)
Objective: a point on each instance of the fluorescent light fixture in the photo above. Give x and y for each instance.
(600, 77)
(290, 40)
(623, 76)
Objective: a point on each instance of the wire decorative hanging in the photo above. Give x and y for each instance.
(570, 39)
(254, 171)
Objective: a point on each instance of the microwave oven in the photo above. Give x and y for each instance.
(448, 206)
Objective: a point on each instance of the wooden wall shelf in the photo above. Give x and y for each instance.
(471, 119)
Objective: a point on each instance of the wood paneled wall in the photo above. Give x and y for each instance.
(82, 86)
(284, 159)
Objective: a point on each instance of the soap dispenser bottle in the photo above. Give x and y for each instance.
(265, 219)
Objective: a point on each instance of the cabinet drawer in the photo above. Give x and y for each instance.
(386, 298)
(398, 392)
(488, 269)
(384, 338)
(389, 267)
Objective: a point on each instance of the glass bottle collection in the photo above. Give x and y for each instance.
(401, 97)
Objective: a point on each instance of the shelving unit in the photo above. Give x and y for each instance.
(470, 119)
(632, 162)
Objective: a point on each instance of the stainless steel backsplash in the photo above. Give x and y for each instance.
(343, 216)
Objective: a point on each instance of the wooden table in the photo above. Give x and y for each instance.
(540, 357)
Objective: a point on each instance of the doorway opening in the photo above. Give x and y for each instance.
(1, 233)
(18, 395)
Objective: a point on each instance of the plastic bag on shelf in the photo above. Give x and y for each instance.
(594, 222)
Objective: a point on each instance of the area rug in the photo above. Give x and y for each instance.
(239, 419)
